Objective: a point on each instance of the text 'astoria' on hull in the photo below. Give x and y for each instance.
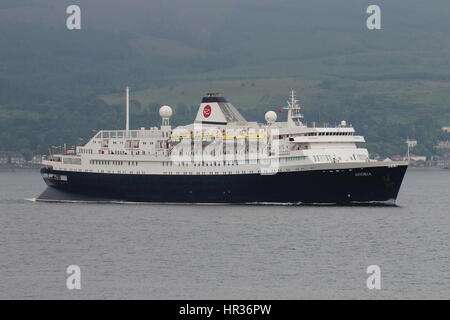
(223, 158)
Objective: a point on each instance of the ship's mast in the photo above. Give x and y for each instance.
(127, 102)
(293, 107)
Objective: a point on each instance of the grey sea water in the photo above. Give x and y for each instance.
(225, 252)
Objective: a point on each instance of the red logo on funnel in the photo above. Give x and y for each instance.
(207, 111)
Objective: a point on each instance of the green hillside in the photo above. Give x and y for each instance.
(57, 85)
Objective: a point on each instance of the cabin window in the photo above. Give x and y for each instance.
(132, 144)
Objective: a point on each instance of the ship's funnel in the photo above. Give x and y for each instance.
(216, 110)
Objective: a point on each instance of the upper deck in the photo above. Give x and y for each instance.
(219, 131)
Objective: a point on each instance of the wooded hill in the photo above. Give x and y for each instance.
(56, 86)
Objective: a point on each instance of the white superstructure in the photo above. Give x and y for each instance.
(220, 141)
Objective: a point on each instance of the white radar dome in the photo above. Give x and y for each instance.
(165, 112)
(271, 116)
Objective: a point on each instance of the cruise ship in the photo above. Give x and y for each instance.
(223, 158)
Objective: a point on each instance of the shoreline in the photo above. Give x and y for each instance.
(427, 169)
(19, 169)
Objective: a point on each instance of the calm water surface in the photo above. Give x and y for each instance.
(225, 252)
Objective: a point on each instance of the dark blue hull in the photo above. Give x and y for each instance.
(344, 186)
